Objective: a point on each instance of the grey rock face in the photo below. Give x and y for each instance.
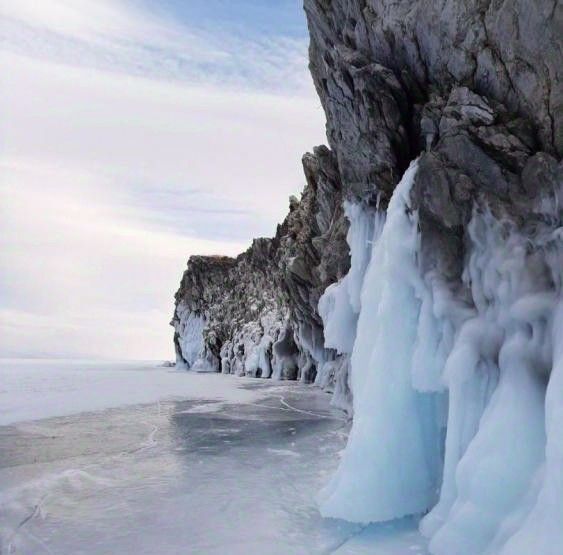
(470, 87)
(509, 52)
(260, 309)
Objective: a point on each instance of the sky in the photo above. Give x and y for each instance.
(132, 135)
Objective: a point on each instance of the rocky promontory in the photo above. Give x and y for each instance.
(256, 314)
(471, 88)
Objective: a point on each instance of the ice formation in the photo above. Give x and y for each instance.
(397, 473)
(482, 367)
(339, 306)
(189, 329)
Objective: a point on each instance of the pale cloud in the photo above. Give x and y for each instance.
(100, 24)
(81, 276)
(111, 177)
(240, 150)
(113, 35)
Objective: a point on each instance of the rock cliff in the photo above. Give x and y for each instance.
(472, 90)
(256, 315)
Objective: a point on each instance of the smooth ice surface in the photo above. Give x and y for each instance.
(183, 476)
(33, 389)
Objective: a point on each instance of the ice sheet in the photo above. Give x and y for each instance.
(34, 389)
(236, 479)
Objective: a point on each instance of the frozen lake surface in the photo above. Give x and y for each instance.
(233, 470)
(34, 389)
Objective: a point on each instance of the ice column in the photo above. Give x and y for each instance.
(391, 466)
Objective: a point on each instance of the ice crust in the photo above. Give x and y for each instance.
(458, 398)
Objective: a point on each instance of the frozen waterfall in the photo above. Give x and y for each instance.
(391, 464)
(458, 406)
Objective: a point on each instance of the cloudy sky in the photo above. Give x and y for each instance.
(133, 134)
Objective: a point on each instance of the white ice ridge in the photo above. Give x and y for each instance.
(476, 367)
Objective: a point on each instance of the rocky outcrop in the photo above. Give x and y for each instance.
(471, 89)
(256, 314)
(474, 86)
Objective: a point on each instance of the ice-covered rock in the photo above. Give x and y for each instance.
(475, 360)
(188, 337)
(439, 318)
(256, 315)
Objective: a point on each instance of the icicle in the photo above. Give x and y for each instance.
(496, 437)
(391, 465)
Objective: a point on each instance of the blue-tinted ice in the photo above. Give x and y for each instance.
(194, 477)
